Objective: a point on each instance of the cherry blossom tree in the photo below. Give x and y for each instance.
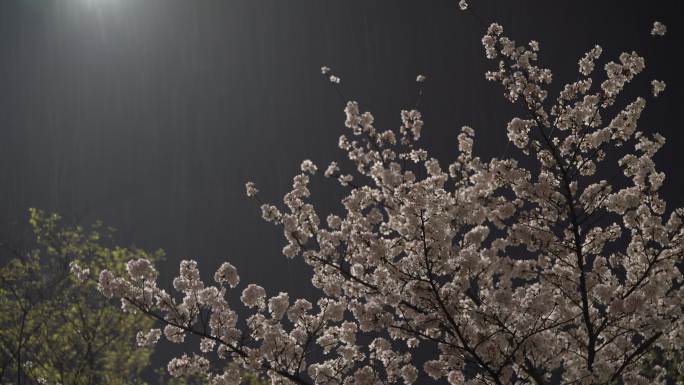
(565, 270)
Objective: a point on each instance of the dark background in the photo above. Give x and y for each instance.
(151, 115)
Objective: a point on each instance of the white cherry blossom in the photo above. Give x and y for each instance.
(659, 29)
(658, 86)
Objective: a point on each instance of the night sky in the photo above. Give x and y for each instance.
(150, 115)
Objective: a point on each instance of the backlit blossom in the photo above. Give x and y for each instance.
(331, 170)
(227, 273)
(187, 365)
(82, 274)
(141, 269)
(278, 305)
(270, 213)
(518, 132)
(148, 339)
(250, 188)
(586, 64)
(658, 86)
(309, 167)
(659, 29)
(253, 296)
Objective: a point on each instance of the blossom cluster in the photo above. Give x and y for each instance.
(659, 29)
